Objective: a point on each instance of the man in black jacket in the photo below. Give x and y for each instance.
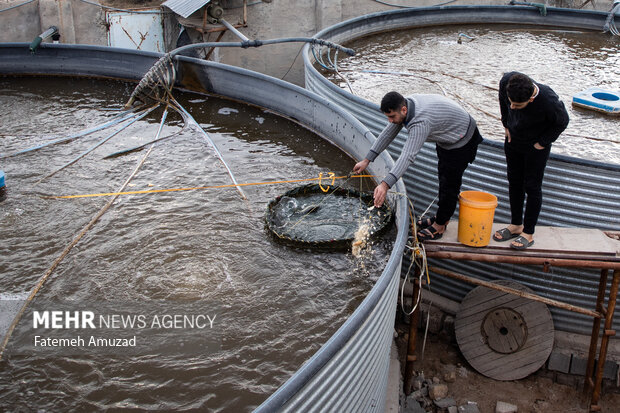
(533, 117)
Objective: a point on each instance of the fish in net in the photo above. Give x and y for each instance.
(307, 216)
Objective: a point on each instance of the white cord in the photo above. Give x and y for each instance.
(429, 206)
(423, 268)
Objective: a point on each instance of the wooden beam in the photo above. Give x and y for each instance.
(509, 290)
(433, 252)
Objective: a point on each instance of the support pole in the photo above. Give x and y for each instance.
(234, 30)
(588, 384)
(609, 316)
(414, 320)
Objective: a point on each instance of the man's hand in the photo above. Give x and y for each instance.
(538, 146)
(380, 193)
(507, 134)
(360, 166)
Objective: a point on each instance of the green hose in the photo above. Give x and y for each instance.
(37, 40)
(35, 44)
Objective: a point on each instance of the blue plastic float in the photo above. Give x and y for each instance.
(2, 187)
(601, 100)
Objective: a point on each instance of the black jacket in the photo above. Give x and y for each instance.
(542, 120)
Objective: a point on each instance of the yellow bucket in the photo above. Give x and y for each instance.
(476, 211)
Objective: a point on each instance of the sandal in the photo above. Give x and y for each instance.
(425, 222)
(504, 235)
(524, 243)
(429, 234)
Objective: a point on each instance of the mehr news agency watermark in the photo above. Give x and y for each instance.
(123, 328)
(87, 320)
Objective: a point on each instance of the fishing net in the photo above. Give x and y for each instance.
(307, 216)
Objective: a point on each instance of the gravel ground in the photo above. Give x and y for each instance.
(442, 363)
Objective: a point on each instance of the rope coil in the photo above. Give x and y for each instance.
(161, 74)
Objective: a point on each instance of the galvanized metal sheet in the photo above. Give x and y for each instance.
(136, 31)
(185, 8)
(577, 193)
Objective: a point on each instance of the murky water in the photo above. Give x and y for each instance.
(277, 305)
(430, 60)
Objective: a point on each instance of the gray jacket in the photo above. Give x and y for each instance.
(432, 118)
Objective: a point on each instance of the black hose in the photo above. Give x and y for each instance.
(257, 43)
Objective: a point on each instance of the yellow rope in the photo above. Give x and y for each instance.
(325, 190)
(153, 191)
(332, 176)
(417, 251)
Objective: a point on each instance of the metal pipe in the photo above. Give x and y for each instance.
(206, 136)
(101, 142)
(219, 37)
(509, 290)
(121, 117)
(588, 384)
(560, 262)
(461, 249)
(609, 317)
(234, 30)
(542, 8)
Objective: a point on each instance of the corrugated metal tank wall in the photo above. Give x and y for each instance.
(577, 193)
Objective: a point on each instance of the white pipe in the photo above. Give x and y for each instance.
(234, 30)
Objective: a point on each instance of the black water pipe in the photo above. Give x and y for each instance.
(257, 43)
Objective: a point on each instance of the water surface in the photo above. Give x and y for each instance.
(431, 60)
(277, 305)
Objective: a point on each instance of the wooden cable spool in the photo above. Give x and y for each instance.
(504, 336)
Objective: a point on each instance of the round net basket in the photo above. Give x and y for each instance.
(307, 216)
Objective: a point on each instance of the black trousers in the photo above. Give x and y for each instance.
(450, 168)
(526, 168)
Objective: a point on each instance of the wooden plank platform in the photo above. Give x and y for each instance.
(558, 242)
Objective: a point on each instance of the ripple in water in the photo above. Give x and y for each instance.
(277, 305)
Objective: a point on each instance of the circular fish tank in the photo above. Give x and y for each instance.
(452, 50)
(200, 307)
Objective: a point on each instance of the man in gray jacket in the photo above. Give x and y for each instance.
(432, 118)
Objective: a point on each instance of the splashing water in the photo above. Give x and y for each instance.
(360, 239)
